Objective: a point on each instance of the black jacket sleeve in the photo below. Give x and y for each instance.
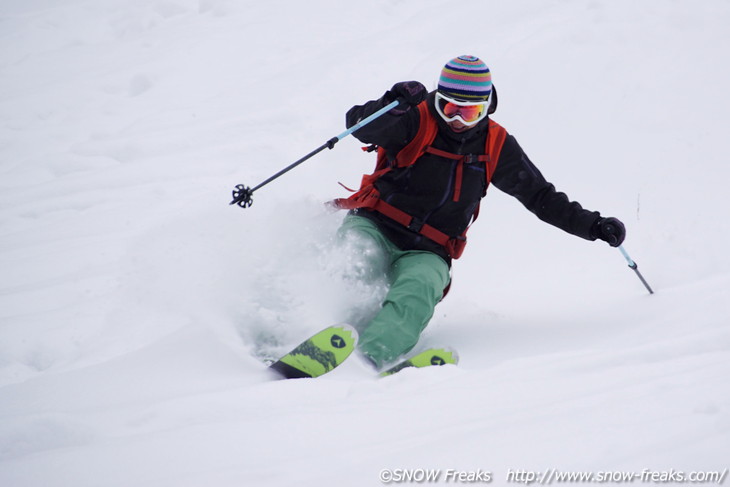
(391, 131)
(516, 175)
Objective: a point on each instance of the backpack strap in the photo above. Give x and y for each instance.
(427, 129)
(495, 141)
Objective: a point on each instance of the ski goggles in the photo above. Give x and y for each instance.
(467, 112)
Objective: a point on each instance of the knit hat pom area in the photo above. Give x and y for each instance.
(466, 78)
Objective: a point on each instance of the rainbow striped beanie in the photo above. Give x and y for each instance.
(466, 78)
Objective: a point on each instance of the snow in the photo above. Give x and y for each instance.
(136, 304)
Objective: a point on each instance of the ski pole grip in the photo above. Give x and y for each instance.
(367, 120)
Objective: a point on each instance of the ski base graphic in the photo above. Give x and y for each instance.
(319, 354)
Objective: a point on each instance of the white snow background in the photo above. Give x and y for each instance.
(136, 304)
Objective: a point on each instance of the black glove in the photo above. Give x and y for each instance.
(411, 92)
(609, 229)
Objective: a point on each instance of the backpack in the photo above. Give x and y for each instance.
(369, 197)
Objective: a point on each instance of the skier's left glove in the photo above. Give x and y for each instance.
(610, 230)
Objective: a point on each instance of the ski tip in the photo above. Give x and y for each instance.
(344, 327)
(350, 328)
(433, 356)
(319, 354)
(454, 354)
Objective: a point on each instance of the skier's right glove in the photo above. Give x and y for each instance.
(610, 230)
(411, 92)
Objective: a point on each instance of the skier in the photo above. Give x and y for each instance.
(437, 153)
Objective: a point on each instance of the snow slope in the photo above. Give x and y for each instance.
(135, 304)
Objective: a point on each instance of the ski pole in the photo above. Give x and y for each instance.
(243, 195)
(635, 268)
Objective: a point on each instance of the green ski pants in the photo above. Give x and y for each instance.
(416, 283)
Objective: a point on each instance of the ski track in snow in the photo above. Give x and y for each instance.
(136, 306)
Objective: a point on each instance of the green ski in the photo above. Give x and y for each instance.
(427, 358)
(319, 354)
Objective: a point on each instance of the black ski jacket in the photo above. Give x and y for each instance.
(425, 189)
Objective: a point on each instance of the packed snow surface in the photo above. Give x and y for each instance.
(137, 307)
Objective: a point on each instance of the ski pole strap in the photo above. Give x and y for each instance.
(635, 268)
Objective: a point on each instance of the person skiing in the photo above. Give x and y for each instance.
(437, 154)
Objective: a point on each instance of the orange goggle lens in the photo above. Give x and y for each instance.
(469, 113)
